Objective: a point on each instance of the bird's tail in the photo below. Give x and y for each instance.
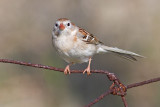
(122, 53)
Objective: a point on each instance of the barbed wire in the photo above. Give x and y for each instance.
(117, 88)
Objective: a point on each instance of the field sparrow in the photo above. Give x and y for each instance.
(76, 45)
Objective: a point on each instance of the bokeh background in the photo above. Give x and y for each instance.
(25, 35)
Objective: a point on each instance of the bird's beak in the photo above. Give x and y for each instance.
(61, 27)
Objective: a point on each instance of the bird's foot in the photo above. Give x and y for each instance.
(87, 70)
(67, 70)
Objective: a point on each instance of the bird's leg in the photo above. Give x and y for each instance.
(88, 68)
(67, 69)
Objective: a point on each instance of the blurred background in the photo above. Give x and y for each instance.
(25, 35)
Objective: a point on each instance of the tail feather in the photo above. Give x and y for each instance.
(126, 56)
(122, 53)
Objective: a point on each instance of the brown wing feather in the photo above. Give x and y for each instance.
(88, 38)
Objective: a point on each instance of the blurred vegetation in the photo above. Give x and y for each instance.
(25, 35)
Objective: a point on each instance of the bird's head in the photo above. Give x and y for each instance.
(63, 25)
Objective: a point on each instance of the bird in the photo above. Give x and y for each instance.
(76, 45)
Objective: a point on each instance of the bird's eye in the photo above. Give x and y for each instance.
(68, 24)
(56, 25)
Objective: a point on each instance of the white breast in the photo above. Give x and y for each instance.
(73, 49)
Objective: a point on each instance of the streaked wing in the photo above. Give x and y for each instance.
(87, 37)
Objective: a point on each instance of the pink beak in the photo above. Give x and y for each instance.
(61, 27)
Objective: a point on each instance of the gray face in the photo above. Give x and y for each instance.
(64, 26)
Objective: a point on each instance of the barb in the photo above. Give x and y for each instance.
(117, 88)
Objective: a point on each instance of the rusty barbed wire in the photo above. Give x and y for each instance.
(127, 87)
(117, 88)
